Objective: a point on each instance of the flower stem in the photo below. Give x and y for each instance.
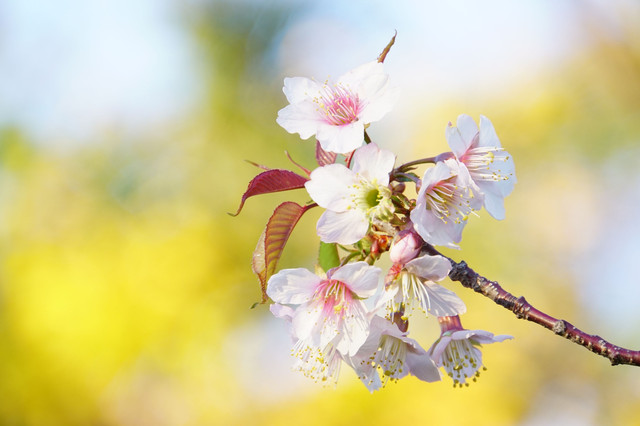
(405, 166)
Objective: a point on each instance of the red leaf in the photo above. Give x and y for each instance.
(275, 180)
(273, 239)
(324, 157)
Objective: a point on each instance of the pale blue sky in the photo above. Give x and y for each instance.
(72, 68)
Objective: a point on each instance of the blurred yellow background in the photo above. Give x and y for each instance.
(125, 288)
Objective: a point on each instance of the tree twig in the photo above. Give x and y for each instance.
(466, 276)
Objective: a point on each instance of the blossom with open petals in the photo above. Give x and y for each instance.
(353, 197)
(490, 166)
(328, 310)
(446, 198)
(414, 285)
(337, 113)
(457, 349)
(389, 353)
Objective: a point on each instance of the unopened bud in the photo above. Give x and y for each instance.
(406, 247)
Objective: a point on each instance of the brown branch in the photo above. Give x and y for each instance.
(466, 276)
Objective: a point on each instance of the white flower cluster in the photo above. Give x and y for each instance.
(347, 314)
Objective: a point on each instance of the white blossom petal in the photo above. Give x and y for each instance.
(432, 268)
(329, 186)
(300, 89)
(360, 277)
(341, 139)
(299, 118)
(455, 140)
(421, 365)
(346, 227)
(292, 286)
(444, 302)
(353, 330)
(488, 136)
(437, 349)
(373, 163)
(308, 322)
(494, 204)
(468, 129)
(354, 77)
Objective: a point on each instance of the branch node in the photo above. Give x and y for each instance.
(458, 271)
(559, 327)
(520, 307)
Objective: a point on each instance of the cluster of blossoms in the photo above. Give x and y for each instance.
(349, 311)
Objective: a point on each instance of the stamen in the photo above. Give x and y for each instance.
(462, 361)
(373, 199)
(449, 202)
(483, 163)
(414, 294)
(321, 365)
(335, 297)
(339, 105)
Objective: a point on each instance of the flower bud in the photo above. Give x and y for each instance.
(406, 247)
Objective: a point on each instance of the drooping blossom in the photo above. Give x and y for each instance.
(353, 197)
(327, 310)
(413, 280)
(446, 198)
(388, 354)
(490, 166)
(337, 113)
(457, 349)
(321, 364)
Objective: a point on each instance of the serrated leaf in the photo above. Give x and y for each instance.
(274, 180)
(328, 256)
(324, 157)
(273, 239)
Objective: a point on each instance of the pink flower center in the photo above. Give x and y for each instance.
(335, 296)
(339, 105)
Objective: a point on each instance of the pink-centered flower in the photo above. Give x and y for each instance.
(337, 113)
(446, 198)
(388, 354)
(328, 310)
(414, 286)
(457, 350)
(353, 197)
(490, 166)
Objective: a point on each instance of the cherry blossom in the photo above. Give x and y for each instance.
(328, 310)
(389, 353)
(414, 285)
(446, 198)
(457, 349)
(337, 114)
(490, 166)
(353, 197)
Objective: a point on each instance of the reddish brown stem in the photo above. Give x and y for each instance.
(466, 276)
(386, 50)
